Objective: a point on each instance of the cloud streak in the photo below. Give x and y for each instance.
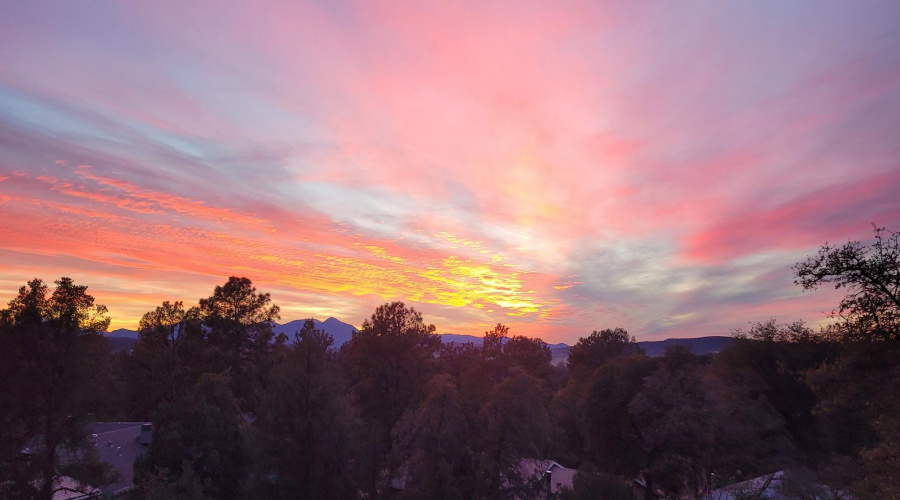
(561, 168)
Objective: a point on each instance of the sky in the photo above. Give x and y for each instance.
(559, 167)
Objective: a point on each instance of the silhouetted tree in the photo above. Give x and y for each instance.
(387, 365)
(516, 426)
(453, 357)
(881, 461)
(855, 387)
(779, 358)
(52, 363)
(750, 436)
(167, 358)
(484, 369)
(532, 355)
(494, 340)
(593, 414)
(856, 406)
(771, 331)
(676, 425)
(304, 427)
(871, 275)
(197, 438)
(435, 444)
(600, 347)
(606, 370)
(238, 322)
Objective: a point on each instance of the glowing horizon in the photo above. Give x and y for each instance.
(559, 169)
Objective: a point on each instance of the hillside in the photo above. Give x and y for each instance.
(699, 346)
(123, 339)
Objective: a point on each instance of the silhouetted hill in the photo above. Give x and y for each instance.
(462, 339)
(560, 351)
(122, 332)
(124, 339)
(452, 338)
(700, 345)
(121, 344)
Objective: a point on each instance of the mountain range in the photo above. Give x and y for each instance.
(123, 339)
(339, 331)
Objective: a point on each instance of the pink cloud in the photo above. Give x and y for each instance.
(350, 265)
(801, 223)
(463, 157)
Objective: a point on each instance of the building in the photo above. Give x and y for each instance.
(779, 485)
(551, 474)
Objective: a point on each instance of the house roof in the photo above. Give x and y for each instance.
(773, 487)
(767, 486)
(70, 489)
(560, 477)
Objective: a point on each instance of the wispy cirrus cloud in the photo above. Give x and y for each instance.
(561, 168)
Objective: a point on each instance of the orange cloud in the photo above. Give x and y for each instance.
(356, 266)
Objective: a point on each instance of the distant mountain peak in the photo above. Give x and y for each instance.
(123, 333)
(341, 332)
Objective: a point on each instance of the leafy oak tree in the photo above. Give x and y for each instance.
(676, 425)
(871, 275)
(516, 426)
(531, 354)
(606, 370)
(600, 347)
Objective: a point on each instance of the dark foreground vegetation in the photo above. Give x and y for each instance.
(241, 413)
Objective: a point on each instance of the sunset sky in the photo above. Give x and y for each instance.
(559, 167)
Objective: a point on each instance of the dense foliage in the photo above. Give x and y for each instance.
(241, 413)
